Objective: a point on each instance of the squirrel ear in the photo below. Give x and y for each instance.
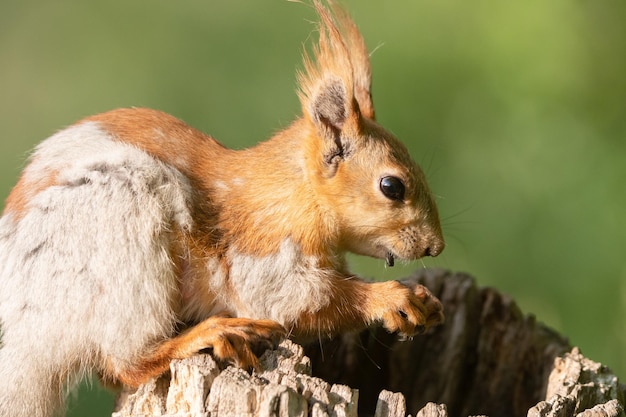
(326, 84)
(329, 106)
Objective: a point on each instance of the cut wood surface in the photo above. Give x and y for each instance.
(487, 359)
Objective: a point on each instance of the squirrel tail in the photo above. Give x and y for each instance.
(28, 388)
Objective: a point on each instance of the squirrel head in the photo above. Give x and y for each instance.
(363, 176)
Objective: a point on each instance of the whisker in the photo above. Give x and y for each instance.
(427, 162)
(367, 355)
(456, 239)
(456, 214)
(380, 342)
(380, 45)
(319, 338)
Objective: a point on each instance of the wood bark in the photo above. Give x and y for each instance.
(487, 359)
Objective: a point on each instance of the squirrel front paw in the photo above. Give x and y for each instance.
(411, 308)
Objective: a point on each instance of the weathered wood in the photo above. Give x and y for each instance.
(198, 388)
(390, 404)
(587, 381)
(579, 386)
(487, 359)
(433, 410)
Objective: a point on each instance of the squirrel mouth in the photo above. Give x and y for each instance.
(389, 259)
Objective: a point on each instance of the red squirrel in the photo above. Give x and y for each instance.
(132, 239)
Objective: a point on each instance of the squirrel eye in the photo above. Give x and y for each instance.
(392, 188)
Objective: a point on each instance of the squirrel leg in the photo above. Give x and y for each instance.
(404, 308)
(232, 340)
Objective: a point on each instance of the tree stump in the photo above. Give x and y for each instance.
(487, 359)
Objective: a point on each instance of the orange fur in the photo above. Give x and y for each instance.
(18, 200)
(356, 304)
(206, 162)
(331, 58)
(359, 58)
(230, 339)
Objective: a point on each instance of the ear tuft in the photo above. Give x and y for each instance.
(359, 58)
(326, 84)
(336, 81)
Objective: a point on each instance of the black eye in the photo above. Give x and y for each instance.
(392, 188)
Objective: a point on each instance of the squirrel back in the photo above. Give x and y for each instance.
(132, 239)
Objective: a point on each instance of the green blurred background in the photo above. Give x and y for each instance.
(515, 110)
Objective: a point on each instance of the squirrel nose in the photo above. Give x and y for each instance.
(434, 248)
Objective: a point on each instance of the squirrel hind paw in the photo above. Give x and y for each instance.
(234, 341)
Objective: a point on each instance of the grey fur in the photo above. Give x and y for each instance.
(70, 259)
